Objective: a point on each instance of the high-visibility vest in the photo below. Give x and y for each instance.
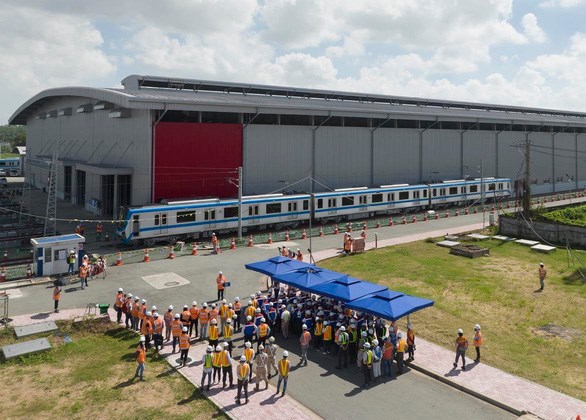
(142, 311)
(217, 360)
(388, 351)
(477, 339)
(194, 312)
(225, 358)
(220, 280)
(204, 316)
(263, 330)
(184, 341)
(319, 327)
(237, 306)
(369, 357)
(353, 335)
(208, 361)
(168, 317)
(228, 331)
(343, 338)
(462, 342)
(401, 346)
(185, 317)
(230, 313)
(141, 354)
(250, 311)
(223, 311)
(147, 327)
(176, 326)
(254, 303)
(213, 314)
(305, 338)
(158, 326)
(328, 333)
(284, 368)
(213, 332)
(56, 293)
(99, 228)
(119, 299)
(410, 337)
(249, 354)
(243, 371)
(135, 310)
(83, 271)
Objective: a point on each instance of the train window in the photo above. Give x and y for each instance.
(157, 220)
(500, 185)
(292, 206)
(415, 194)
(377, 198)
(332, 202)
(491, 186)
(210, 215)
(442, 191)
(424, 193)
(453, 190)
(473, 188)
(186, 216)
(305, 204)
(362, 199)
(136, 225)
(230, 212)
(273, 208)
(164, 219)
(464, 190)
(404, 195)
(320, 203)
(348, 201)
(434, 192)
(253, 211)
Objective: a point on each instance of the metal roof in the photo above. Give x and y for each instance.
(152, 92)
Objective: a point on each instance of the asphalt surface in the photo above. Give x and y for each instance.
(320, 387)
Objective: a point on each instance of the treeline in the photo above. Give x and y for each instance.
(15, 135)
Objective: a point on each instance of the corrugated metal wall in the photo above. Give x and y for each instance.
(565, 156)
(441, 154)
(479, 145)
(396, 156)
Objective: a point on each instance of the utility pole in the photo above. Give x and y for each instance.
(310, 217)
(527, 182)
(25, 196)
(482, 192)
(51, 211)
(240, 203)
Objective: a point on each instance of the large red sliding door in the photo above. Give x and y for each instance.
(196, 160)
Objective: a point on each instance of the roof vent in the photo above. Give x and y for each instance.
(64, 112)
(103, 105)
(52, 114)
(119, 113)
(85, 108)
(41, 116)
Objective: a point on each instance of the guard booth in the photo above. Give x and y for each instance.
(51, 252)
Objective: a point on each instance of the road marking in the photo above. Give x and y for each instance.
(165, 280)
(14, 293)
(277, 244)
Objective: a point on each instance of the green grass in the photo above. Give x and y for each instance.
(497, 292)
(575, 215)
(90, 377)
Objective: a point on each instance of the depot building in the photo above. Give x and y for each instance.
(160, 138)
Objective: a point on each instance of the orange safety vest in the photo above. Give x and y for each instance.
(142, 311)
(119, 299)
(135, 309)
(147, 327)
(185, 316)
(249, 354)
(401, 346)
(462, 342)
(184, 341)
(410, 337)
(254, 303)
(237, 306)
(83, 271)
(284, 368)
(56, 293)
(348, 245)
(194, 311)
(213, 332)
(263, 330)
(477, 339)
(217, 360)
(299, 256)
(157, 326)
(99, 228)
(250, 311)
(228, 331)
(328, 333)
(243, 371)
(220, 280)
(225, 358)
(230, 313)
(204, 316)
(305, 338)
(168, 317)
(176, 326)
(141, 356)
(388, 351)
(319, 327)
(284, 252)
(223, 311)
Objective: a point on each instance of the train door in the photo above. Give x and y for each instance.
(160, 223)
(363, 200)
(292, 210)
(253, 214)
(210, 217)
(135, 225)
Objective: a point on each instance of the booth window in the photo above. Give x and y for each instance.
(48, 255)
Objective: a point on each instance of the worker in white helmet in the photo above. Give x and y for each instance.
(367, 360)
(477, 342)
(243, 374)
(140, 359)
(271, 351)
(285, 319)
(249, 355)
(168, 318)
(176, 329)
(283, 370)
(207, 368)
(400, 353)
(223, 312)
(127, 310)
(184, 345)
(221, 282)
(461, 345)
(410, 342)
(261, 361)
(146, 329)
(118, 304)
(304, 342)
(134, 312)
(377, 355)
(193, 318)
(203, 320)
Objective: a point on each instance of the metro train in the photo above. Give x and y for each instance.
(175, 220)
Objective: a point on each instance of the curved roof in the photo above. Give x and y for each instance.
(152, 92)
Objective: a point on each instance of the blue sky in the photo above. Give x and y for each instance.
(521, 52)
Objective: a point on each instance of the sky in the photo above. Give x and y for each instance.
(514, 52)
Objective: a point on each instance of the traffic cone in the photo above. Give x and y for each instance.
(377, 224)
(413, 219)
(404, 220)
(232, 243)
(364, 226)
(250, 242)
(304, 234)
(336, 231)
(475, 210)
(321, 231)
(194, 249)
(146, 256)
(390, 221)
(29, 272)
(118, 259)
(349, 227)
(171, 253)
(3, 274)
(447, 214)
(466, 211)
(457, 212)
(363, 233)
(270, 240)
(286, 236)
(436, 215)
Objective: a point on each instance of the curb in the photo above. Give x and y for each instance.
(462, 388)
(25, 283)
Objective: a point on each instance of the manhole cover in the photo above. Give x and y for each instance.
(172, 283)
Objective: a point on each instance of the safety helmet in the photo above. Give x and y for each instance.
(228, 321)
(156, 314)
(149, 313)
(476, 327)
(224, 344)
(142, 339)
(400, 335)
(285, 353)
(304, 327)
(154, 308)
(184, 329)
(129, 295)
(326, 323)
(242, 359)
(213, 305)
(218, 348)
(248, 345)
(338, 324)
(249, 318)
(307, 312)
(235, 316)
(366, 345)
(263, 320)
(261, 347)
(363, 333)
(236, 299)
(214, 321)
(280, 301)
(460, 331)
(342, 328)
(249, 303)
(170, 307)
(177, 316)
(257, 310)
(219, 272)
(370, 331)
(223, 300)
(209, 349)
(375, 342)
(205, 305)
(120, 289)
(185, 307)
(283, 307)
(143, 301)
(194, 303)
(271, 339)
(229, 305)
(136, 298)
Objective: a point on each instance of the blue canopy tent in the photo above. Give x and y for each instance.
(308, 277)
(276, 265)
(389, 304)
(347, 288)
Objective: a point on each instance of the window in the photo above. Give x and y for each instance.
(164, 219)
(500, 185)
(230, 212)
(491, 186)
(362, 199)
(332, 202)
(473, 188)
(210, 215)
(58, 252)
(377, 198)
(424, 193)
(273, 208)
(305, 204)
(464, 190)
(434, 193)
(320, 203)
(157, 220)
(186, 216)
(292, 206)
(404, 195)
(453, 190)
(48, 255)
(253, 211)
(347, 201)
(415, 194)
(442, 191)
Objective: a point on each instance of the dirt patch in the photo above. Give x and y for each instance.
(552, 331)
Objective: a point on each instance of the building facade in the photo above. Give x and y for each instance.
(167, 139)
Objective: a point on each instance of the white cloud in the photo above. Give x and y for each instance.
(562, 3)
(532, 29)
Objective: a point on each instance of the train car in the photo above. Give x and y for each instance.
(466, 191)
(199, 218)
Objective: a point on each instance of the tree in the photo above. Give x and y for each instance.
(15, 135)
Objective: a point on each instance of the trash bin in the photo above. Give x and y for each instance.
(103, 307)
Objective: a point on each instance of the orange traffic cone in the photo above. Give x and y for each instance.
(194, 249)
(336, 231)
(321, 231)
(3, 274)
(171, 253)
(457, 212)
(404, 220)
(466, 211)
(364, 226)
(447, 214)
(304, 234)
(29, 272)
(286, 236)
(270, 240)
(118, 259)
(390, 221)
(250, 242)
(232, 244)
(146, 256)
(363, 233)
(413, 219)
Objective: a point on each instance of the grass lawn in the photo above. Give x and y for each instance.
(539, 336)
(89, 378)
